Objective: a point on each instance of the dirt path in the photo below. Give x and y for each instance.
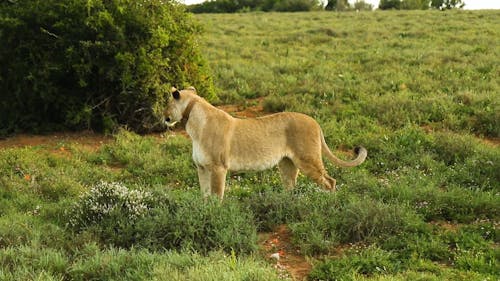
(86, 139)
(240, 111)
(93, 140)
(277, 247)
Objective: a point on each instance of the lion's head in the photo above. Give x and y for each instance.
(179, 106)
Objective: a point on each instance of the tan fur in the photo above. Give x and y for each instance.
(222, 143)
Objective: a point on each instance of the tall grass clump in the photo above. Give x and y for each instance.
(273, 208)
(191, 222)
(33, 263)
(356, 220)
(356, 263)
(319, 221)
(91, 263)
(463, 250)
(127, 218)
(472, 165)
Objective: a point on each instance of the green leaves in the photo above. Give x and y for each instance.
(114, 58)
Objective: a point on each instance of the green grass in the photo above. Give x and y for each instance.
(93, 263)
(392, 68)
(418, 89)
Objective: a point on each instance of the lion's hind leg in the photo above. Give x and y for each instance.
(332, 182)
(288, 172)
(314, 169)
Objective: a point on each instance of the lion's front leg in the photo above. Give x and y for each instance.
(218, 180)
(204, 178)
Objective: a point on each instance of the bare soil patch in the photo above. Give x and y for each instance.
(278, 249)
(244, 111)
(93, 141)
(86, 139)
(492, 141)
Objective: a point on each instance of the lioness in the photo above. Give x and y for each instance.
(223, 143)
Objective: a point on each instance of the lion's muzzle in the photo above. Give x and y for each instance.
(170, 123)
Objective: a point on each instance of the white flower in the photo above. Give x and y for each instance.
(105, 198)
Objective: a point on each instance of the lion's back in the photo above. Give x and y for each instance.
(260, 143)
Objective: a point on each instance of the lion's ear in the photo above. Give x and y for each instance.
(191, 88)
(176, 94)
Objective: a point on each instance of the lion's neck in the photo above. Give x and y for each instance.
(203, 114)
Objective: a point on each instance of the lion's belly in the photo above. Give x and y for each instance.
(256, 163)
(256, 145)
(255, 156)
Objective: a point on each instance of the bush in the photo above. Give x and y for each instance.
(219, 6)
(273, 208)
(130, 218)
(109, 201)
(389, 4)
(316, 229)
(187, 221)
(94, 64)
(420, 4)
(447, 4)
(361, 5)
(309, 214)
(337, 5)
(367, 219)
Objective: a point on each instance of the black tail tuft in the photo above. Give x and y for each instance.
(357, 149)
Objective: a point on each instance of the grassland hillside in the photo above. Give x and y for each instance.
(420, 90)
(425, 68)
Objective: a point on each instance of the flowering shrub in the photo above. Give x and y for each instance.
(162, 219)
(109, 200)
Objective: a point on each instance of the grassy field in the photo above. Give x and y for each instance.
(420, 90)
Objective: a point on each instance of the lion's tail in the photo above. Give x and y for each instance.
(360, 151)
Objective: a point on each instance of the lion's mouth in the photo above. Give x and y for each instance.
(170, 123)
